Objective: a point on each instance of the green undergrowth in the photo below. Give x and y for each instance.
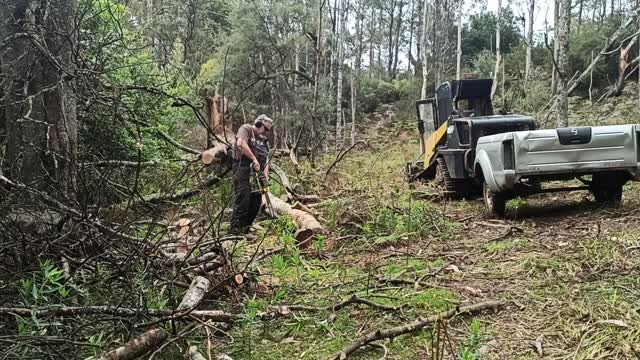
(324, 283)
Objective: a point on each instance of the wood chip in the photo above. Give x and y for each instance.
(453, 268)
(183, 231)
(183, 222)
(619, 323)
(239, 279)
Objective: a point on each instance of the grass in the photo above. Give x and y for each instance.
(571, 270)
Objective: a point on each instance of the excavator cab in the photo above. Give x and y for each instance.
(453, 100)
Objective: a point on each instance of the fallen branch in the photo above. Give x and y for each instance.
(341, 155)
(195, 293)
(138, 346)
(120, 163)
(213, 315)
(176, 144)
(413, 326)
(284, 180)
(286, 309)
(180, 196)
(510, 231)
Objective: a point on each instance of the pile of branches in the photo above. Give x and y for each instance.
(77, 275)
(83, 270)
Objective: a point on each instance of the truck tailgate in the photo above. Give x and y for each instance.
(576, 149)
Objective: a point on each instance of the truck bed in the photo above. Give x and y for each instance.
(506, 158)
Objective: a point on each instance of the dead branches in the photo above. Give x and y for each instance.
(413, 326)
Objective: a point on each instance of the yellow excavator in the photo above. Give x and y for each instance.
(461, 111)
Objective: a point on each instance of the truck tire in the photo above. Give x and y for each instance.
(611, 195)
(607, 189)
(495, 204)
(458, 188)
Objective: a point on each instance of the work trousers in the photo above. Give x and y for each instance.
(247, 203)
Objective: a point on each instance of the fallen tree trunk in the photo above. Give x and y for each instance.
(195, 293)
(138, 346)
(413, 326)
(306, 224)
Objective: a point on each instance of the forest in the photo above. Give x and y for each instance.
(118, 120)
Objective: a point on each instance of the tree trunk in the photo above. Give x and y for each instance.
(527, 71)
(396, 51)
(371, 39)
(411, 31)
(623, 66)
(390, 37)
(334, 42)
(354, 78)
(580, 14)
(556, 24)
(380, 69)
(563, 62)
(353, 108)
(612, 7)
(423, 41)
(498, 54)
(39, 106)
(459, 51)
(435, 44)
(319, 57)
(340, 48)
(419, 31)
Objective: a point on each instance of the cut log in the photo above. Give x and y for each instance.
(306, 224)
(195, 293)
(137, 347)
(220, 153)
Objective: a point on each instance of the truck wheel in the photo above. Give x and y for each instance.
(455, 187)
(495, 204)
(611, 195)
(607, 189)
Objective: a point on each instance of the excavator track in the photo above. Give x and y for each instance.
(456, 188)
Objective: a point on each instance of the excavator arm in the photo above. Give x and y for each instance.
(433, 141)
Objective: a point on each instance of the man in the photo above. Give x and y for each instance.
(250, 152)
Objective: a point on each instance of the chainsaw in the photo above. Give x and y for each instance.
(263, 186)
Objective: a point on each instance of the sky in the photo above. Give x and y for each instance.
(543, 7)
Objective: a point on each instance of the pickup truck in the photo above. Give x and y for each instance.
(516, 163)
